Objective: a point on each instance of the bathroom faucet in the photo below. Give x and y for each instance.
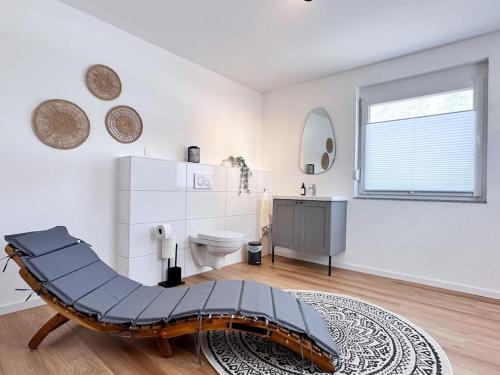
(313, 189)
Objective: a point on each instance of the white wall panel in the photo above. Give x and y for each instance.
(124, 165)
(246, 224)
(142, 240)
(205, 204)
(208, 224)
(157, 174)
(124, 206)
(156, 206)
(122, 265)
(123, 239)
(146, 269)
(194, 211)
(241, 204)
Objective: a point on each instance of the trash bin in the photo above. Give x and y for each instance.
(254, 252)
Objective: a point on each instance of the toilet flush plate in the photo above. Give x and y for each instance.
(203, 181)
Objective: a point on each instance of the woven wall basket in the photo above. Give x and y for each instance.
(60, 124)
(103, 82)
(329, 145)
(124, 124)
(325, 161)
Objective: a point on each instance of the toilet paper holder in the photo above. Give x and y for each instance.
(164, 234)
(169, 249)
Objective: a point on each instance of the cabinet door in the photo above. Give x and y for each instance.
(285, 223)
(314, 227)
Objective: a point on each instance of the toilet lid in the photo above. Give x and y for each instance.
(220, 235)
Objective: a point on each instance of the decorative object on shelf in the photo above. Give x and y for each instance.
(309, 168)
(60, 124)
(317, 137)
(329, 145)
(391, 344)
(124, 124)
(193, 154)
(245, 172)
(325, 161)
(103, 82)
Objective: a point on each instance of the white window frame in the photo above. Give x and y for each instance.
(463, 77)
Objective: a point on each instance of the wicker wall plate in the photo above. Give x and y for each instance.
(124, 124)
(325, 161)
(329, 145)
(60, 124)
(103, 82)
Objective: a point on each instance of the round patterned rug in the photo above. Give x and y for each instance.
(371, 340)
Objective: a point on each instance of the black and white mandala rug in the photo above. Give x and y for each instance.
(371, 340)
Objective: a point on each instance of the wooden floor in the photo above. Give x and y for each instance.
(467, 327)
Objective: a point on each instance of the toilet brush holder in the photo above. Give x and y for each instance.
(174, 274)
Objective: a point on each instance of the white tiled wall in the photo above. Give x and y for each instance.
(154, 191)
(244, 204)
(245, 224)
(203, 204)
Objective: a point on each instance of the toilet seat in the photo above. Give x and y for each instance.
(220, 238)
(220, 235)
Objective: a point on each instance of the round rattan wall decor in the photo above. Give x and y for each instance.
(325, 161)
(103, 82)
(329, 145)
(60, 124)
(124, 124)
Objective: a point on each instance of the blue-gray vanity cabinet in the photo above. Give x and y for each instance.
(286, 229)
(313, 228)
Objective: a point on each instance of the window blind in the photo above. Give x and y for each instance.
(423, 154)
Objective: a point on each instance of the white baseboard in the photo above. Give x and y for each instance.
(17, 306)
(490, 293)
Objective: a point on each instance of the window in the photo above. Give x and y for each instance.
(423, 137)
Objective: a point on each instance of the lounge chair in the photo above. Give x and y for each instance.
(69, 276)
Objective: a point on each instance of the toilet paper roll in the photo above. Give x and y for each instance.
(163, 231)
(168, 248)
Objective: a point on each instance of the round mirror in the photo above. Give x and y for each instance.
(317, 151)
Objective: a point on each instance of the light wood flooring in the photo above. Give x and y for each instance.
(467, 327)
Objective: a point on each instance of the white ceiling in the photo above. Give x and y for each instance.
(270, 44)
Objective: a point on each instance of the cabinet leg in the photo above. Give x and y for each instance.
(272, 254)
(330, 265)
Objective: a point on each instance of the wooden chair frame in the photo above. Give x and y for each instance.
(165, 331)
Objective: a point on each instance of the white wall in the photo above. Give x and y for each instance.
(46, 48)
(455, 245)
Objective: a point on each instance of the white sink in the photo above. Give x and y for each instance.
(330, 198)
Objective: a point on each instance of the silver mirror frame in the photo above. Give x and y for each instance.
(333, 154)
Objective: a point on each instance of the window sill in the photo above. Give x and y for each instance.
(423, 198)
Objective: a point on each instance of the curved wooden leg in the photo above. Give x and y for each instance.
(55, 322)
(164, 347)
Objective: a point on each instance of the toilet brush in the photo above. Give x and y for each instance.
(173, 273)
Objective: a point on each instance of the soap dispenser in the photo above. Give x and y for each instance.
(303, 189)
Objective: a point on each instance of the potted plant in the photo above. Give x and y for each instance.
(245, 172)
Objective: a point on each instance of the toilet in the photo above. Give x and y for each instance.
(209, 248)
